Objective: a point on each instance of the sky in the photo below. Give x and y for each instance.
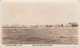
(40, 0)
(38, 13)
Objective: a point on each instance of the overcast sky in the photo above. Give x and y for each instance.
(38, 13)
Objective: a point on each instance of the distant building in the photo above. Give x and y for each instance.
(73, 24)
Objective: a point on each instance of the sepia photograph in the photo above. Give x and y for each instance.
(39, 23)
